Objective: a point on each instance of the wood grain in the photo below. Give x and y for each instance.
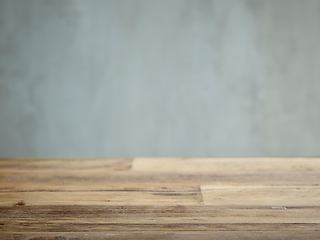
(261, 195)
(227, 165)
(225, 198)
(157, 235)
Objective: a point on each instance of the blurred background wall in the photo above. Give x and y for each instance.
(98, 78)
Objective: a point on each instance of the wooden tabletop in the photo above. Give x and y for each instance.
(186, 198)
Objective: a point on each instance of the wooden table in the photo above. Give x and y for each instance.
(217, 198)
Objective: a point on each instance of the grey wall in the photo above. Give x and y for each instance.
(96, 78)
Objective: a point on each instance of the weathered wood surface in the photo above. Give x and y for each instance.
(220, 198)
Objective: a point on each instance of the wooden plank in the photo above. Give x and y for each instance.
(126, 186)
(157, 235)
(96, 186)
(43, 164)
(276, 196)
(100, 198)
(195, 217)
(228, 165)
(94, 176)
(68, 226)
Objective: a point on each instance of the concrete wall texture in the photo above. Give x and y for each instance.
(124, 78)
